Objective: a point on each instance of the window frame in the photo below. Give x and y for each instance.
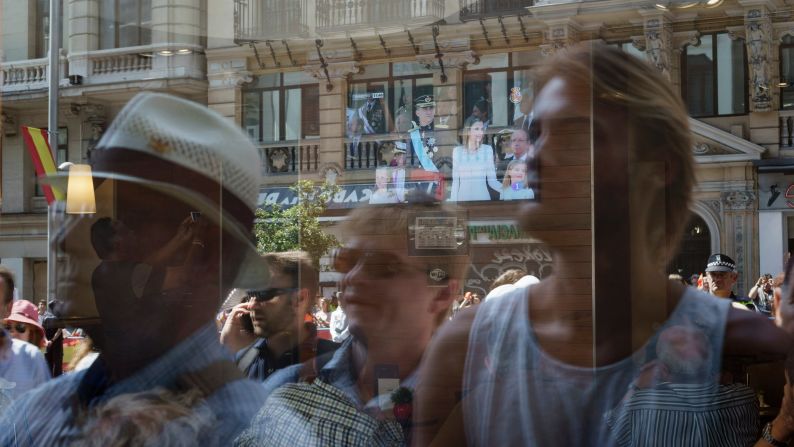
(511, 71)
(282, 109)
(141, 6)
(715, 81)
(390, 80)
(783, 46)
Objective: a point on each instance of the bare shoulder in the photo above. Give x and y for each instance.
(452, 339)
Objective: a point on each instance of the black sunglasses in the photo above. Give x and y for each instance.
(19, 327)
(268, 294)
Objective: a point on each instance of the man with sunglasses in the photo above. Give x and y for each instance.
(22, 366)
(395, 296)
(281, 336)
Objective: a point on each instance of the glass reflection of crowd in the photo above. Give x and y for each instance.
(402, 353)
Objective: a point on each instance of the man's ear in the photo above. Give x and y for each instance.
(444, 297)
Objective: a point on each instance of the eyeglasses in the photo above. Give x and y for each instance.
(265, 295)
(19, 328)
(376, 264)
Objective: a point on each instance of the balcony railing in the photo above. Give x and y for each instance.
(257, 20)
(483, 9)
(290, 159)
(114, 63)
(342, 15)
(27, 75)
(372, 154)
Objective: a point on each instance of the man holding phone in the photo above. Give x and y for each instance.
(394, 297)
(280, 334)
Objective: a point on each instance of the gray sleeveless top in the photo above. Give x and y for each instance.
(516, 394)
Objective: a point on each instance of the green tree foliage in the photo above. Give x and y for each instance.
(297, 228)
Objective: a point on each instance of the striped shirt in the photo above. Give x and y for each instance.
(48, 415)
(688, 414)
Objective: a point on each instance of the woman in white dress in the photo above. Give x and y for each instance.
(473, 167)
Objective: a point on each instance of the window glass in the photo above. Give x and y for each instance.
(787, 73)
(270, 116)
(251, 114)
(292, 112)
(730, 75)
(700, 77)
(715, 71)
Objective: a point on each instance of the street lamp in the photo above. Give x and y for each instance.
(80, 197)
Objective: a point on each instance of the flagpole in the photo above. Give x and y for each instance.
(52, 126)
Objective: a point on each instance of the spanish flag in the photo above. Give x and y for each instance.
(39, 148)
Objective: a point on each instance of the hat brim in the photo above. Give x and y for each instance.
(253, 273)
(425, 105)
(17, 318)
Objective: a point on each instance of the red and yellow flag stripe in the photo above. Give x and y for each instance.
(39, 147)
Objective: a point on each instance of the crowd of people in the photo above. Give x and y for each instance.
(176, 191)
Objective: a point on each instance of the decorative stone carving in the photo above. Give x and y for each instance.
(688, 38)
(701, 149)
(231, 79)
(459, 59)
(330, 172)
(738, 200)
(758, 27)
(558, 37)
(336, 70)
(659, 44)
(8, 123)
(638, 42)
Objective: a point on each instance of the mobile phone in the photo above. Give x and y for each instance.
(247, 323)
(194, 216)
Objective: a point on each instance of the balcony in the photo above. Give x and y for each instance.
(259, 20)
(24, 76)
(139, 63)
(335, 16)
(289, 159)
(370, 152)
(471, 10)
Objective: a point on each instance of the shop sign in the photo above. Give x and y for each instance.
(775, 191)
(349, 195)
(496, 231)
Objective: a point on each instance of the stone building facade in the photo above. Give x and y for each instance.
(295, 74)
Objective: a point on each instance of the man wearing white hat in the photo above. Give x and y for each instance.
(176, 187)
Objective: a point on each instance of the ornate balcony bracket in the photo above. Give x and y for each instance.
(333, 70)
(459, 59)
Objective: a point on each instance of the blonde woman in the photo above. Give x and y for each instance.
(473, 168)
(514, 185)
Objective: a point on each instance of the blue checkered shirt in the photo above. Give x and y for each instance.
(47, 415)
(326, 412)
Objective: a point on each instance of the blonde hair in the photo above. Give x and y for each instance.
(657, 123)
(507, 180)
